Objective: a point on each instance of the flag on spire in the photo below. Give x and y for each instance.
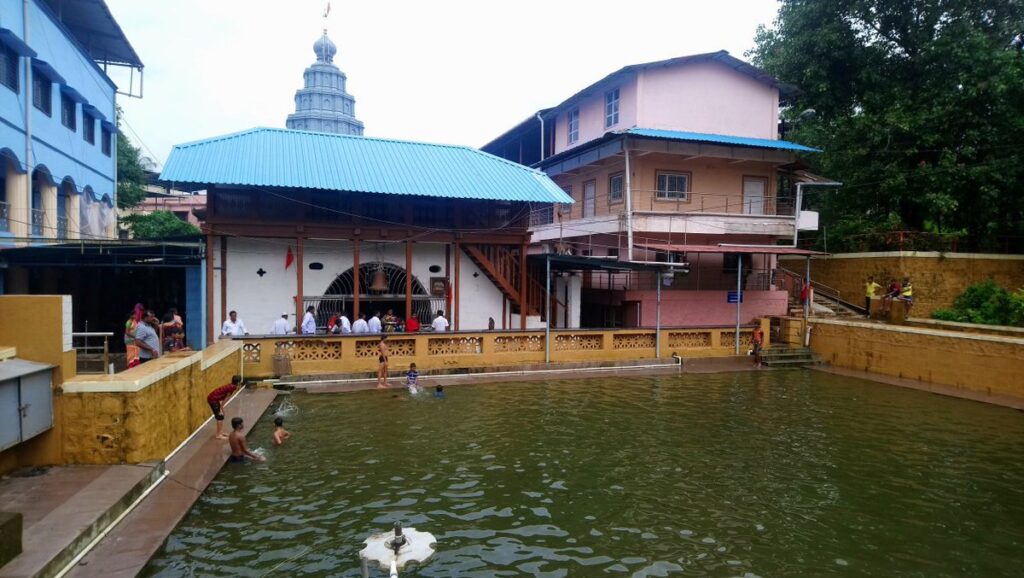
(328, 10)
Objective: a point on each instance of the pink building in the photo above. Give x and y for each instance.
(187, 206)
(669, 162)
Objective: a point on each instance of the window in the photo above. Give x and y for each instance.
(542, 215)
(106, 137)
(565, 208)
(9, 68)
(574, 125)
(615, 186)
(68, 113)
(89, 128)
(674, 186)
(42, 98)
(611, 108)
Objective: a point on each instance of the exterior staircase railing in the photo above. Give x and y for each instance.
(501, 266)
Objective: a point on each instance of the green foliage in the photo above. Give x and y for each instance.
(919, 110)
(157, 224)
(986, 303)
(130, 175)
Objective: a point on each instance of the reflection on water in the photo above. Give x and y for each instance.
(759, 474)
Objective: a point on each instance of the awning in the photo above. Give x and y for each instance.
(72, 93)
(94, 112)
(746, 250)
(48, 71)
(11, 40)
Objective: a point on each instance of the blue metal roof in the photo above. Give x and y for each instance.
(722, 139)
(275, 157)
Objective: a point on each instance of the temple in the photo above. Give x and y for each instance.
(323, 105)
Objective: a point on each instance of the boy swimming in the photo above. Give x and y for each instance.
(239, 450)
(410, 379)
(280, 434)
(439, 391)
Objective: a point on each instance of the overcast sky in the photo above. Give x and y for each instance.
(459, 72)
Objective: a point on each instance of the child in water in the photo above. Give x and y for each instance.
(410, 379)
(280, 434)
(439, 391)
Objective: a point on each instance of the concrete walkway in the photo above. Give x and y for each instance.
(63, 508)
(128, 547)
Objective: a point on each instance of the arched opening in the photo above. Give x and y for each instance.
(64, 216)
(388, 293)
(41, 184)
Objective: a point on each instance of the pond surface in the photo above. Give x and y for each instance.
(775, 473)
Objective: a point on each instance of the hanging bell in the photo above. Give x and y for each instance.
(380, 281)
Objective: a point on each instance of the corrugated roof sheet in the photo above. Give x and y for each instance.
(275, 157)
(722, 139)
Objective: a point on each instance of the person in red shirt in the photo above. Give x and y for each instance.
(412, 325)
(216, 400)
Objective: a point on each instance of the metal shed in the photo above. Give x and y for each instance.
(26, 400)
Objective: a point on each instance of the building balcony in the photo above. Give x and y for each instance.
(663, 212)
(38, 218)
(62, 227)
(5, 222)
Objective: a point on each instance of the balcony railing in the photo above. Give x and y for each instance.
(700, 202)
(695, 280)
(38, 216)
(62, 227)
(5, 223)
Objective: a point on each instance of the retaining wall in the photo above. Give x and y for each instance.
(938, 278)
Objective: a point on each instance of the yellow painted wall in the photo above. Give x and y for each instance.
(938, 280)
(33, 324)
(134, 427)
(990, 365)
(429, 351)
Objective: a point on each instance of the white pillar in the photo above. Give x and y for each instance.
(18, 202)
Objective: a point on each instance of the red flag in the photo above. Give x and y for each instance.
(289, 258)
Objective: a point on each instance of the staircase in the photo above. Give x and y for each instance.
(782, 356)
(825, 301)
(501, 266)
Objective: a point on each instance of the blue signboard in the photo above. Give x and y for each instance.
(735, 297)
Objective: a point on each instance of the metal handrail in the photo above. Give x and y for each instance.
(86, 350)
(5, 211)
(38, 216)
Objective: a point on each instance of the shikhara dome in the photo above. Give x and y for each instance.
(322, 104)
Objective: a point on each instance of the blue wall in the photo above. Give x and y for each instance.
(64, 154)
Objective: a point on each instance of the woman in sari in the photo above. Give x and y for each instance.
(131, 350)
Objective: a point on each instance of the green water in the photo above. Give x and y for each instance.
(794, 473)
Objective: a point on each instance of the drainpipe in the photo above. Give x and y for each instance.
(739, 297)
(541, 119)
(657, 319)
(29, 161)
(629, 206)
(547, 309)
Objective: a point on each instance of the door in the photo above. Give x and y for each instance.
(36, 404)
(589, 198)
(10, 422)
(754, 189)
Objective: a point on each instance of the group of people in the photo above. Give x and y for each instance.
(341, 325)
(896, 291)
(240, 451)
(146, 337)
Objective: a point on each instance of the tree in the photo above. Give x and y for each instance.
(919, 108)
(157, 224)
(131, 177)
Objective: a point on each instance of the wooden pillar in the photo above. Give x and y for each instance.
(458, 290)
(300, 304)
(209, 290)
(408, 279)
(223, 278)
(355, 280)
(522, 287)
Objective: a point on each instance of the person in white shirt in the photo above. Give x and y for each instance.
(374, 323)
(233, 327)
(344, 323)
(309, 322)
(440, 323)
(281, 325)
(360, 326)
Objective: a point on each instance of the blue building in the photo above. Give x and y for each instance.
(57, 119)
(323, 104)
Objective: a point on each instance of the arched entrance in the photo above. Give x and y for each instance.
(340, 294)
